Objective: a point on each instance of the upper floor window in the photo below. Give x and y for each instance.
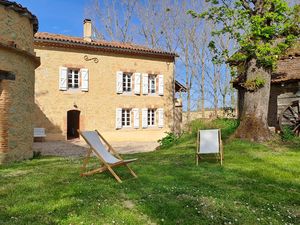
(126, 117)
(139, 83)
(73, 78)
(127, 82)
(152, 84)
(70, 78)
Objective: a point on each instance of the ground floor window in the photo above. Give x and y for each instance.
(151, 117)
(126, 117)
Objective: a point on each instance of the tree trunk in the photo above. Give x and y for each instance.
(254, 118)
(215, 88)
(203, 83)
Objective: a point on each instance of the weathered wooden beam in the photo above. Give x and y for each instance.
(7, 75)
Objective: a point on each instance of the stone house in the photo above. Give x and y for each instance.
(17, 65)
(285, 90)
(124, 90)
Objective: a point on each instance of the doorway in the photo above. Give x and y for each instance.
(73, 118)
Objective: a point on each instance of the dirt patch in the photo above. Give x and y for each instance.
(78, 147)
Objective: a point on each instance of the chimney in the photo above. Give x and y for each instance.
(87, 30)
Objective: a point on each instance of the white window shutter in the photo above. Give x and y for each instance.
(63, 78)
(119, 83)
(144, 117)
(145, 83)
(160, 84)
(118, 118)
(160, 117)
(136, 118)
(137, 83)
(84, 79)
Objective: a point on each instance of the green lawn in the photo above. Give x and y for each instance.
(258, 184)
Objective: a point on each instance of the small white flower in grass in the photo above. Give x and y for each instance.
(113, 221)
(258, 219)
(162, 220)
(229, 222)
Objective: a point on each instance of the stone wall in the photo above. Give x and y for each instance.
(16, 96)
(98, 106)
(208, 114)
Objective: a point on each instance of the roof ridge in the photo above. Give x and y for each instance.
(46, 36)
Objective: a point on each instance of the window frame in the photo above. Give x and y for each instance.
(125, 89)
(150, 78)
(72, 70)
(151, 121)
(128, 115)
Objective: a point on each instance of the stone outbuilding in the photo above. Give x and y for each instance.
(17, 64)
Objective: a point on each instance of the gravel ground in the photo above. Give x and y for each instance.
(79, 147)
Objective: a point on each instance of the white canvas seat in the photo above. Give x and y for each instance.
(39, 132)
(103, 150)
(209, 142)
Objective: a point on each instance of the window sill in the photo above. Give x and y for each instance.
(126, 127)
(152, 95)
(73, 91)
(126, 94)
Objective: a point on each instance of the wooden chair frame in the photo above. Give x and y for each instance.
(104, 165)
(221, 150)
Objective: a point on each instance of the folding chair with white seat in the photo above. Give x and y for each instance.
(209, 142)
(102, 149)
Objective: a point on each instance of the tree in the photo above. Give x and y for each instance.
(114, 19)
(263, 30)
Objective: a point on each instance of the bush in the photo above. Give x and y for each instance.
(227, 126)
(287, 134)
(168, 140)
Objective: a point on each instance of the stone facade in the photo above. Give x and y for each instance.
(16, 96)
(97, 106)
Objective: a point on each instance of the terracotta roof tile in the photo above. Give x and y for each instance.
(287, 70)
(48, 37)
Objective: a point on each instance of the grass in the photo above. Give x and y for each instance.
(258, 184)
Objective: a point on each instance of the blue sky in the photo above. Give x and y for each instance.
(58, 16)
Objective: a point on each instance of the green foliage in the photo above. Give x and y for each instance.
(227, 126)
(229, 112)
(263, 31)
(167, 141)
(287, 134)
(254, 84)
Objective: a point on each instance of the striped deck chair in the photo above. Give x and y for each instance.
(108, 157)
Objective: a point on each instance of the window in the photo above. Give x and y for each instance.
(151, 117)
(126, 117)
(73, 78)
(152, 84)
(127, 84)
